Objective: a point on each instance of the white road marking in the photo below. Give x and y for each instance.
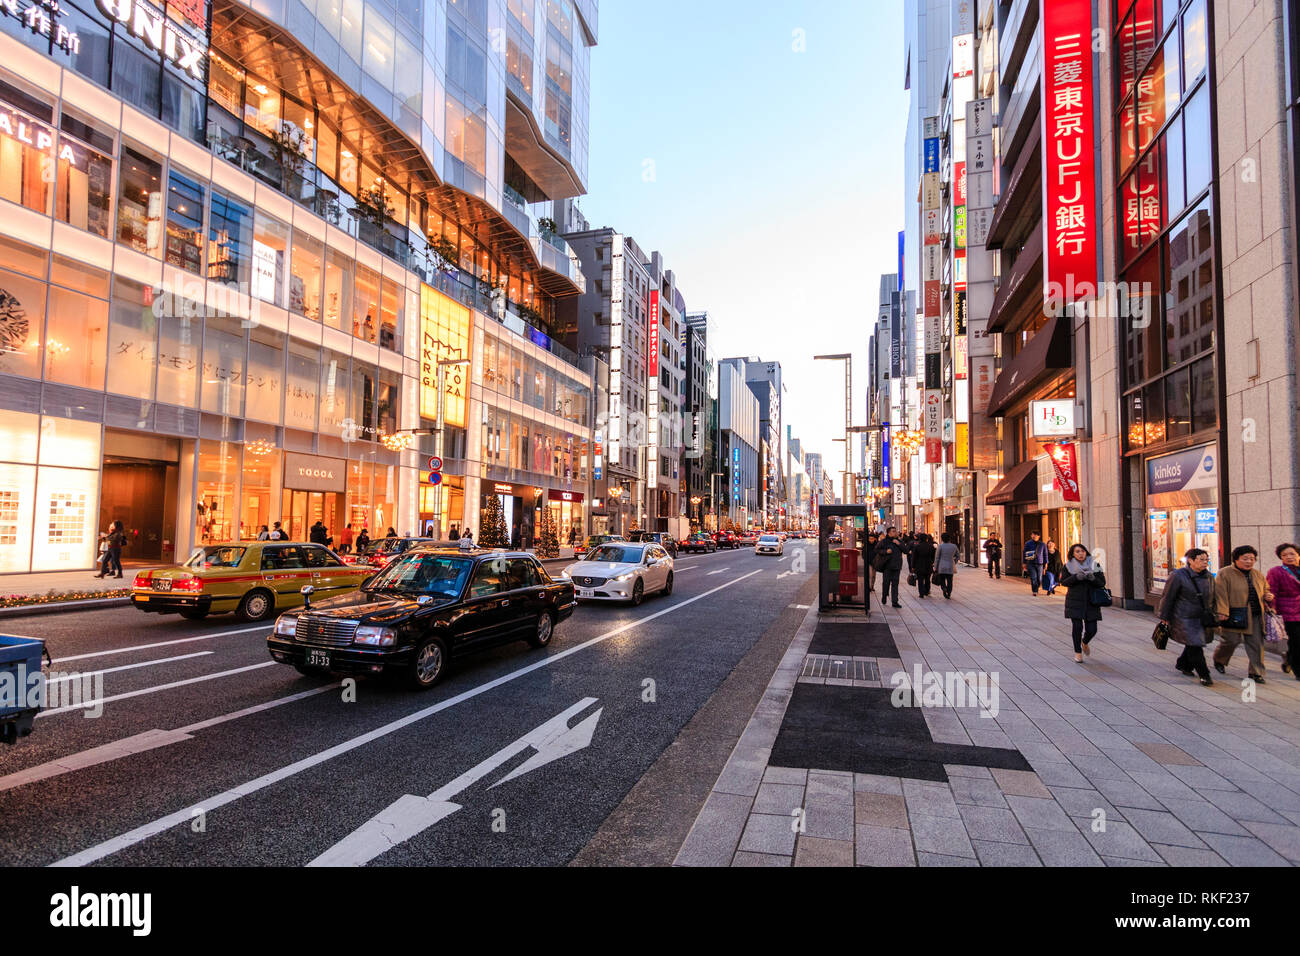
(139, 743)
(719, 571)
(410, 815)
(129, 667)
(162, 824)
(147, 647)
(90, 704)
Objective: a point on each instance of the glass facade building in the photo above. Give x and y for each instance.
(221, 229)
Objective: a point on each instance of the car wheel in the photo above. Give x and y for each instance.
(638, 592)
(668, 585)
(428, 663)
(194, 615)
(544, 631)
(257, 605)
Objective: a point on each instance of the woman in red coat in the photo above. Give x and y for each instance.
(1284, 582)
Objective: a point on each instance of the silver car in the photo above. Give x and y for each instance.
(622, 571)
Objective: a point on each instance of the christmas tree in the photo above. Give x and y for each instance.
(549, 546)
(492, 525)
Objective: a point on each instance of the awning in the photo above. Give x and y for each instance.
(1048, 352)
(1019, 487)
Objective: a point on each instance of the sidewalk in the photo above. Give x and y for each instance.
(1121, 761)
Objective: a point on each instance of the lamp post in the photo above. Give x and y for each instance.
(847, 359)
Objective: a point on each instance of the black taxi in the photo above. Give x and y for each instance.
(424, 608)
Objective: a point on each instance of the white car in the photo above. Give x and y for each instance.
(770, 544)
(622, 571)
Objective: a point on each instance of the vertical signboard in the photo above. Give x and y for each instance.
(1069, 145)
(616, 292)
(652, 345)
(444, 335)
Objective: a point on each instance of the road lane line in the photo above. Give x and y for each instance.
(91, 704)
(162, 824)
(129, 667)
(719, 571)
(147, 647)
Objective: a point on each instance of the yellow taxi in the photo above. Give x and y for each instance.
(255, 579)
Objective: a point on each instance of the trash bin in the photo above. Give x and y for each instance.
(848, 572)
(24, 684)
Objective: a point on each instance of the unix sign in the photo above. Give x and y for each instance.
(160, 34)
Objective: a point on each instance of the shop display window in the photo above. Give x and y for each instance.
(338, 288)
(17, 494)
(390, 316)
(140, 201)
(84, 191)
(27, 170)
(365, 305)
(261, 478)
(230, 238)
(223, 369)
(218, 477)
(132, 340)
(22, 323)
(306, 274)
(76, 339)
(270, 252)
(185, 200)
(64, 533)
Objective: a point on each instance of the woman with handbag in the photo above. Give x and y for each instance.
(1284, 582)
(1085, 596)
(1241, 595)
(1054, 570)
(921, 562)
(1187, 609)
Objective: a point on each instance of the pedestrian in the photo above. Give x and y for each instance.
(117, 540)
(1284, 582)
(392, 533)
(1241, 595)
(921, 563)
(945, 565)
(264, 534)
(1053, 570)
(345, 539)
(319, 535)
(467, 540)
(454, 533)
(993, 548)
(1082, 578)
(869, 559)
(277, 533)
(1035, 559)
(1188, 608)
(889, 561)
(363, 540)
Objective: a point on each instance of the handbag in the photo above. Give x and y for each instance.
(1274, 627)
(1100, 597)
(911, 580)
(1236, 619)
(1160, 636)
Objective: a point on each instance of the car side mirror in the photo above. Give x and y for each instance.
(306, 592)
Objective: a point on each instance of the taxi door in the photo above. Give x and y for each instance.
(285, 571)
(327, 571)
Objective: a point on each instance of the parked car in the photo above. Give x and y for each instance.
(254, 579)
(661, 538)
(727, 539)
(383, 550)
(594, 541)
(770, 544)
(698, 542)
(622, 571)
(427, 607)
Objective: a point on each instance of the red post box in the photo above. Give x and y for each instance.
(848, 572)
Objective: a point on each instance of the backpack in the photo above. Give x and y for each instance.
(1031, 552)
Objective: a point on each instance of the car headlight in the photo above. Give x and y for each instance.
(623, 577)
(286, 626)
(375, 636)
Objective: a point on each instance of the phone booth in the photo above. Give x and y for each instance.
(841, 531)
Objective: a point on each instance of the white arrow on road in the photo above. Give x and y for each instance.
(411, 815)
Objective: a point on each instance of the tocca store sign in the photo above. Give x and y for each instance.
(160, 34)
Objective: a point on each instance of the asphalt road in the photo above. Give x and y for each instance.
(209, 754)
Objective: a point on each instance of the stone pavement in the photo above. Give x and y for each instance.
(1129, 763)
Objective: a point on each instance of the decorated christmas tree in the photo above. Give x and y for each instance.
(549, 545)
(492, 525)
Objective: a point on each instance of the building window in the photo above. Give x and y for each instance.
(185, 200)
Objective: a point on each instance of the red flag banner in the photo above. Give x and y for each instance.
(1065, 461)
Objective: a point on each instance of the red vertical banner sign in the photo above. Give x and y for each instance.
(1069, 153)
(1065, 461)
(652, 336)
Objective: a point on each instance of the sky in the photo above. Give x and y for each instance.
(759, 147)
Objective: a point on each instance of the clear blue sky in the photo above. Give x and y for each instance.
(777, 175)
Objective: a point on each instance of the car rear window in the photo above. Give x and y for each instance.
(216, 557)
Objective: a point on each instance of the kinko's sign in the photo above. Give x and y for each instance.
(160, 34)
(1069, 146)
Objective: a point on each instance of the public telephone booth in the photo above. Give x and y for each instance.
(841, 570)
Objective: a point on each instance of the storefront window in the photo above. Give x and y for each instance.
(230, 238)
(384, 504)
(76, 339)
(17, 507)
(300, 400)
(140, 201)
(225, 85)
(261, 106)
(22, 323)
(223, 366)
(218, 475)
(365, 305)
(265, 379)
(390, 390)
(338, 288)
(305, 277)
(390, 316)
(178, 357)
(84, 193)
(335, 384)
(132, 340)
(362, 406)
(270, 252)
(360, 475)
(184, 223)
(259, 484)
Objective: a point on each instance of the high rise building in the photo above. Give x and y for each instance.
(254, 256)
(700, 421)
(742, 449)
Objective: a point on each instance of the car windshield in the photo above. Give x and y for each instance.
(216, 557)
(425, 573)
(617, 554)
(768, 539)
(387, 546)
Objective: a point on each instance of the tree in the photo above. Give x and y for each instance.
(549, 546)
(492, 531)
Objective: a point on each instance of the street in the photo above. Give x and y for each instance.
(208, 753)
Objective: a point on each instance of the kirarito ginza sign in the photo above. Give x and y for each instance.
(1069, 141)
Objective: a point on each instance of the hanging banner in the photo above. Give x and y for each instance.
(1065, 461)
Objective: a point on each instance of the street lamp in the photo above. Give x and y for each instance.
(847, 359)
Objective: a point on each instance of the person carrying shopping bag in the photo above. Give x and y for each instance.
(1034, 558)
(1284, 582)
(1085, 584)
(1188, 608)
(1241, 596)
(1054, 569)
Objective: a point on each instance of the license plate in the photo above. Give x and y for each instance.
(317, 658)
(586, 593)
(163, 584)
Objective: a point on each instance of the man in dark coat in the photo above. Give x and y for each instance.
(921, 561)
(318, 533)
(889, 561)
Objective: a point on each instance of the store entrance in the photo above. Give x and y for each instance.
(302, 509)
(135, 493)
